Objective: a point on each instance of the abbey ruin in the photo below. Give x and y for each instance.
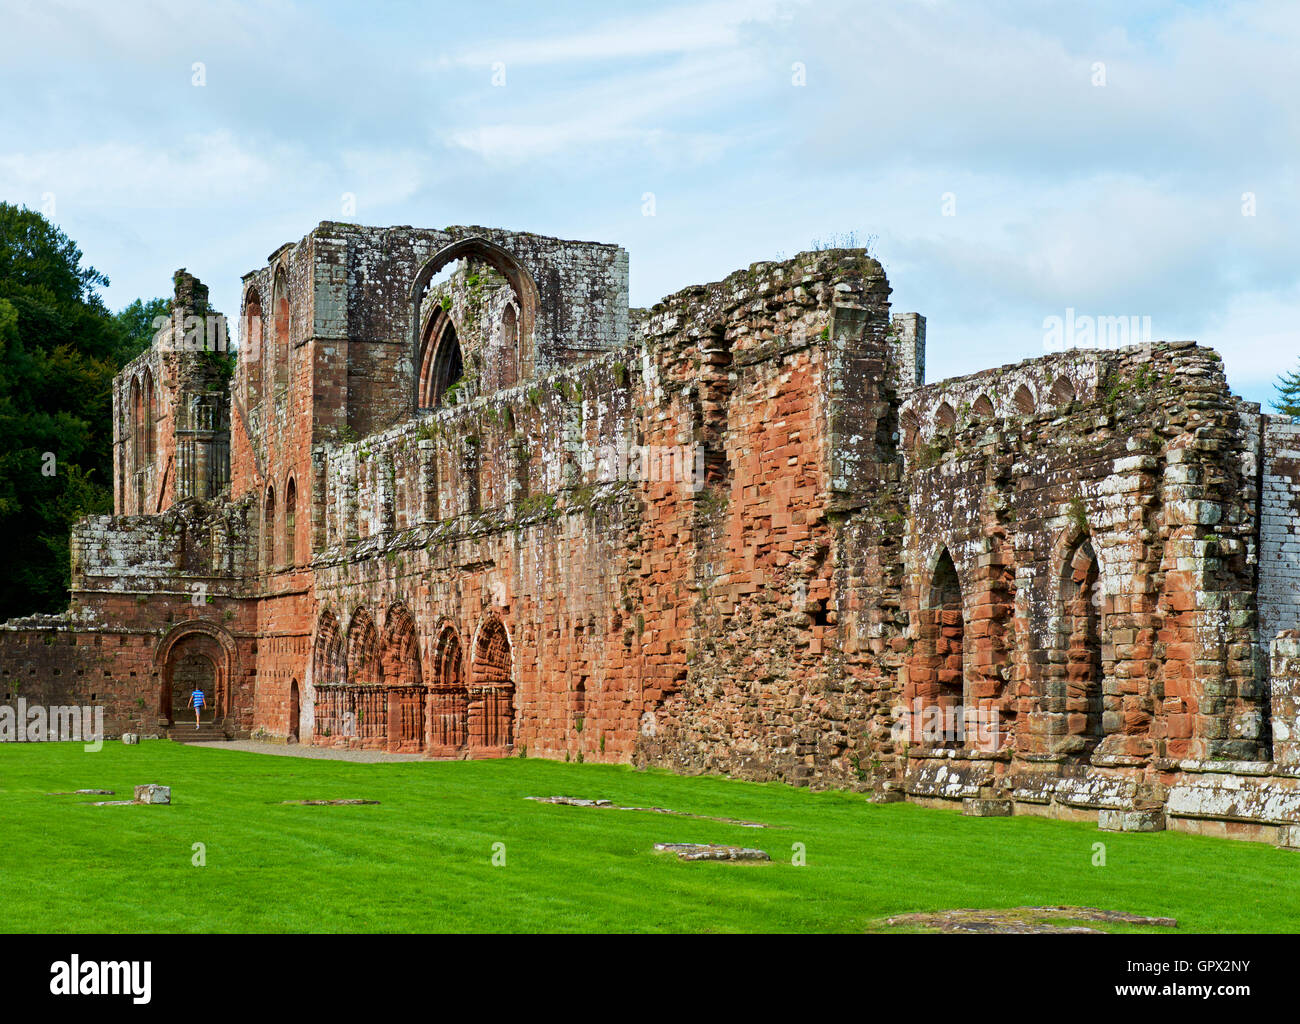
(459, 499)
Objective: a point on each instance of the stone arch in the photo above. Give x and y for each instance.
(441, 362)
(365, 665)
(510, 345)
(329, 676)
(935, 691)
(519, 279)
(202, 639)
(492, 712)
(1063, 392)
(251, 347)
(1075, 685)
(280, 330)
(403, 675)
(909, 428)
(944, 417)
(290, 521)
(268, 529)
(295, 712)
(401, 651)
(982, 410)
(137, 427)
(150, 416)
(329, 657)
(448, 694)
(1023, 401)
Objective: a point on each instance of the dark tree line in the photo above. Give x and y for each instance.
(59, 349)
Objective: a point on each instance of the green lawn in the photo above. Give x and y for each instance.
(422, 859)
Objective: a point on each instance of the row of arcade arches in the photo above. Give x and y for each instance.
(947, 705)
(374, 687)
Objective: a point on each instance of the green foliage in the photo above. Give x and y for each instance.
(59, 350)
(1288, 390)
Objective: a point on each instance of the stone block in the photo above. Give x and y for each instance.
(1110, 820)
(152, 793)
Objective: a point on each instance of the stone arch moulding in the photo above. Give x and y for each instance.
(492, 689)
(521, 281)
(1079, 634)
(228, 666)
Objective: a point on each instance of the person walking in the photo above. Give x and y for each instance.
(196, 702)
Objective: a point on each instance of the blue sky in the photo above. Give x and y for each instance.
(1002, 183)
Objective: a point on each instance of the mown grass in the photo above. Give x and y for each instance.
(422, 860)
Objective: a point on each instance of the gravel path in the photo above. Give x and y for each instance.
(299, 750)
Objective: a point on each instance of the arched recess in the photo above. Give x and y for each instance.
(329, 659)
(982, 410)
(196, 639)
(290, 522)
(1063, 392)
(520, 280)
(510, 345)
(448, 695)
(150, 417)
(945, 418)
(936, 672)
(280, 312)
(251, 347)
(1075, 685)
(137, 427)
(295, 712)
(909, 428)
(441, 363)
(404, 677)
(365, 666)
(401, 653)
(329, 676)
(492, 706)
(1024, 401)
(268, 529)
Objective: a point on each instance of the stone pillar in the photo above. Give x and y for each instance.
(1285, 684)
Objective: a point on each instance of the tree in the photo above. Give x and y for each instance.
(59, 350)
(1288, 388)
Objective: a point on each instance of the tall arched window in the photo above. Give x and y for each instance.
(268, 530)
(441, 365)
(509, 346)
(1080, 638)
(280, 310)
(137, 427)
(251, 346)
(150, 416)
(290, 524)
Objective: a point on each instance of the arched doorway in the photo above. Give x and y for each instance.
(492, 705)
(198, 653)
(190, 672)
(448, 696)
(295, 711)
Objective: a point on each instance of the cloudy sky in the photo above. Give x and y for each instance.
(1012, 158)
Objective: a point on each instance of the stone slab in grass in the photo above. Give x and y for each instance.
(85, 792)
(573, 801)
(1023, 921)
(710, 851)
(152, 793)
(328, 803)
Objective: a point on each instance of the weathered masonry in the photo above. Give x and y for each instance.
(458, 498)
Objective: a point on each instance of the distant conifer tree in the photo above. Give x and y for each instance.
(1288, 389)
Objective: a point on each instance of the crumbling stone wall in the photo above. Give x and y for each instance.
(477, 507)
